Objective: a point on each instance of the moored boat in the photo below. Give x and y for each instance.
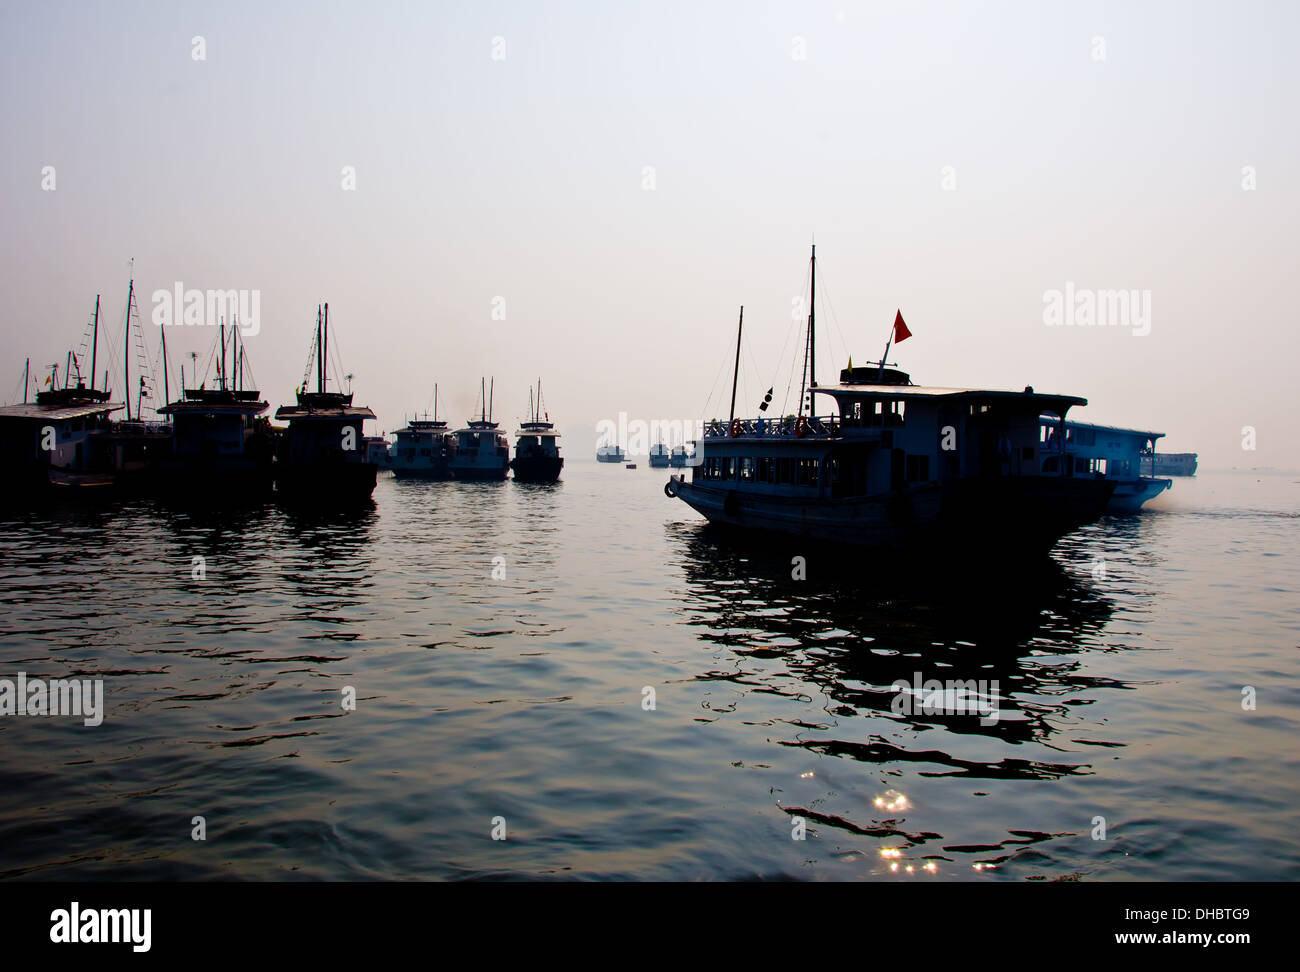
(482, 452)
(610, 453)
(537, 448)
(659, 456)
(322, 456)
(424, 448)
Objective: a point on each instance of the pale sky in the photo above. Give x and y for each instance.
(625, 176)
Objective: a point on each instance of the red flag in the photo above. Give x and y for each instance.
(901, 333)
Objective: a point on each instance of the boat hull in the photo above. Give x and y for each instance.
(326, 484)
(1130, 494)
(537, 469)
(1030, 513)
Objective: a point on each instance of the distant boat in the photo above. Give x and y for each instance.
(482, 452)
(610, 453)
(424, 448)
(679, 457)
(1106, 452)
(1169, 464)
(323, 457)
(659, 456)
(537, 450)
(631, 465)
(377, 451)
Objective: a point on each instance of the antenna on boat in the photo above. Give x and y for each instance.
(735, 375)
(810, 347)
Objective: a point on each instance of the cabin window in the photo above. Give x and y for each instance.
(729, 468)
(747, 469)
(806, 472)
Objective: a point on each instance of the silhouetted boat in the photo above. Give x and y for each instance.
(610, 453)
(900, 464)
(659, 456)
(537, 449)
(322, 456)
(424, 448)
(482, 452)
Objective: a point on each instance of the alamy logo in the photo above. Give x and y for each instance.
(950, 697)
(200, 308)
(59, 696)
(99, 925)
(1077, 307)
(635, 436)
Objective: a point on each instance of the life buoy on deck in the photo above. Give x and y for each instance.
(670, 487)
(801, 427)
(735, 428)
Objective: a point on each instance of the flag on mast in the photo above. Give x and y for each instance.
(901, 333)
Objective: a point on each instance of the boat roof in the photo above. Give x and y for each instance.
(478, 425)
(1071, 424)
(301, 413)
(930, 391)
(33, 411)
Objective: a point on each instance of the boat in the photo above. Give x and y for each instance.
(896, 465)
(377, 451)
(1169, 464)
(659, 456)
(322, 456)
(631, 465)
(1106, 451)
(482, 452)
(610, 453)
(424, 448)
(679, 458)
(222, 445)
(537, 449)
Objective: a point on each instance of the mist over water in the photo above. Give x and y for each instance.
(1120, 663)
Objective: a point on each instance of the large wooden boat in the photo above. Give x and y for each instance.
(537, 448)
(895, 465)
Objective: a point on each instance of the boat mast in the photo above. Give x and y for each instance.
(735, 375)
(325, 351)
(27, 377)
(126, 345)
(167, 397)
(320, 353)
(94, 348)
(491, 393)
(221, 372)
(810, 346)
(482, 399)
(435, 401)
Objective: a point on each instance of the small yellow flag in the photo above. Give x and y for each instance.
(850, 362)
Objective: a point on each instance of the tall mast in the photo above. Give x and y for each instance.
(325, 351)
(435, 401)
(222, 369)
(126, 346)
(735, 375)
(166, 387)
(27, 378)
(94, 347)
(491, 392)
(812, 325)
(67, 371)
(482, 399)
(320, 353)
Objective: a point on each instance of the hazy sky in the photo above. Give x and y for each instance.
(953, 160)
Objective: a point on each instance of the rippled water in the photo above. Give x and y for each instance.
(1120, 665)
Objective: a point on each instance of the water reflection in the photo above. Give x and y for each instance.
(859, 623)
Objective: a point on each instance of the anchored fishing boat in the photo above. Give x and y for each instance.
(322, 454)
(1105, 451)
(424, 448)
(482, 452)
(660, 457)
(679, 457)
(610, 453)
(896, 464)
(221, 443)
(537, 449)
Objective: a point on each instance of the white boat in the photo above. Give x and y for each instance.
(423, 448)
(1106, 452)
(897, 465)
(1169, 464)
(610, 453)
(482, 451)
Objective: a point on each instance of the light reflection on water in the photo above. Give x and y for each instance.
(523, 696)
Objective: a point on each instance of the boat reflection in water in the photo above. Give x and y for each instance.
(817, 661)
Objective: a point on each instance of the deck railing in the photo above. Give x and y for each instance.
(824, 426)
